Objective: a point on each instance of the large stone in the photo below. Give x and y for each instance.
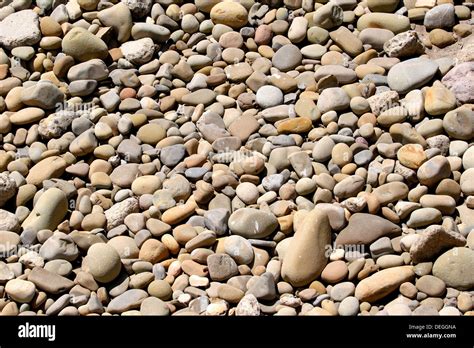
(59, 246)
(411, 74)
(48, 212)
(83, 45)
(365, 229)
(328, 16)
(103, 262)
(434, 170)
(49, 282)
(49, 168)
(20, 290)
(440, 16)
(333, 98)
(252, 223)
(393, 22)
(307, 255)
(456, 268)
(460, 80)
(287, 58)
(20, 29)
(128, 300)
(459, 123)
(43, 94)
(94, 69)
(221, 267)
(229, 13)
(119, 18)
(383, 283)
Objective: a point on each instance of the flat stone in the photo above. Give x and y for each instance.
(411, 74)
(382, 283)
(366, 228)
(49, 282)
(440, 16)
(48, 212)
(252, 223)
(130, 299)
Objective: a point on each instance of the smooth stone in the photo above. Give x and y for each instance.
(434, 170)
(456, 268)
(333, 98)
(232, 14)
(239, 249)
(382, 283)
(268, 96)
(252, 223)
(119, 18)
(83, 45)
(103, 262)
(287, 58)
(306, 256)
(423, 217)
(49, 282)
(221, 267)
(394, 22)
(411, 74)
(48, 212)
(366, 228)
(430, 285)
(439, 17)
(94, 69)
(128, 300)
(154, 306)
(19, 290)
(349, 306)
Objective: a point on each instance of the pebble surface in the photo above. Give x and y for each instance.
(208, 157)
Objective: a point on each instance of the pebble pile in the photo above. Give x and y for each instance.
(207, 157)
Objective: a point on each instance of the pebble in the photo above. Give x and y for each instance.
(382, 283)
(103, 262)
(365, 228)
(252, 223)
(19, 290)
(287, 58)
(82, 45)
(454, 267)
(268, 96)
(306, 256)
(411, 74)
(221, 150)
